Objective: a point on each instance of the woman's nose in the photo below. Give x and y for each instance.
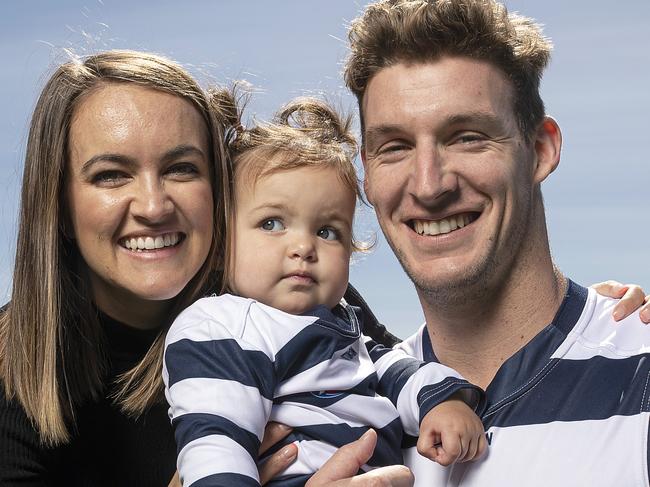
(152, 202)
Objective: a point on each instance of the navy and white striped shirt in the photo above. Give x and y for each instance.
(571, 408)
(232, 364)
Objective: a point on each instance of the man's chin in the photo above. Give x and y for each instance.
(450, 286)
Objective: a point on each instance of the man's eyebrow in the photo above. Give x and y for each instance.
(474, 117)
(378, 131)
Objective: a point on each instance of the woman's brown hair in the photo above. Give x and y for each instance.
(51, 357)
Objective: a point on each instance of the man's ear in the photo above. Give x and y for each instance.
(548, 145)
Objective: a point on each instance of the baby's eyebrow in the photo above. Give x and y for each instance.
(335, 216)
(271, 206)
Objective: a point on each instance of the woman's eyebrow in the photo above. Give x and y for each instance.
(171, 155)
(181, 151)
(109, 157)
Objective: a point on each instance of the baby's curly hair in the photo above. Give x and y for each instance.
(306, 132)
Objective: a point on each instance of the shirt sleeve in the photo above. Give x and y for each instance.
(414, 386)
(220, 392)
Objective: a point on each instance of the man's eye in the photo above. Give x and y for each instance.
(469, 138)
(272, 225)
(392, 148)
(328, 233)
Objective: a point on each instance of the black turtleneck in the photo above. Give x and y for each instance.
(108, 448)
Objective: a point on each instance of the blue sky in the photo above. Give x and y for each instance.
(598, 201)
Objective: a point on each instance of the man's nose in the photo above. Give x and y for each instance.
(432, 178)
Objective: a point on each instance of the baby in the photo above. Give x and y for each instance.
(284, 345)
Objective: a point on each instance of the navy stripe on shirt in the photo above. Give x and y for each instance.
(226, 480)
(393, 380)
(341, 434)
(367, 387)
(186, 359)
(311, 346)
(582, 390)
(192, 426)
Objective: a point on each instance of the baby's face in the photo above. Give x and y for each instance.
(293, 238)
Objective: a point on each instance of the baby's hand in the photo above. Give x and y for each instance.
(451, 432)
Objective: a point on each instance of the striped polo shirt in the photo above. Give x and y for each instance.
(232, 364)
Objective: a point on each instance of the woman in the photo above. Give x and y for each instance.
(124, 153)
(122, 224)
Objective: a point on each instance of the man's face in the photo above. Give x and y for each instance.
(449, 173)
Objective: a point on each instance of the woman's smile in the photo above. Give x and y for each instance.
(139, 194)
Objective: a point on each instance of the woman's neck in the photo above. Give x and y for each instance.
(133, 311)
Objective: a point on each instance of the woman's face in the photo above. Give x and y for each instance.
(139, 197)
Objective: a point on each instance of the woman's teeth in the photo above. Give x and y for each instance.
(151, 243)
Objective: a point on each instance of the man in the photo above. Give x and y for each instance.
(456, 145)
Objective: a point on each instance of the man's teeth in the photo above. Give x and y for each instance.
(150, 243)
(446, 225)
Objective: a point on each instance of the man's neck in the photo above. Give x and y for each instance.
(478, 336)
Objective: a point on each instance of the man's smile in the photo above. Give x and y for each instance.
(443, 225)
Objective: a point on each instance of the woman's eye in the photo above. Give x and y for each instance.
(183, 169)
(109, 178)
(272, 225)
(328, 233)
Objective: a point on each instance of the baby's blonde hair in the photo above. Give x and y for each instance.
(306, 132)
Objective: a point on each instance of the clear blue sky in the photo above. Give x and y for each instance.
(598, 202)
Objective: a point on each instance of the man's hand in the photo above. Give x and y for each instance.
(281, 459)
(631, 296)
(340, 469)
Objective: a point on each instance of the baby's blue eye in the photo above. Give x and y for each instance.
(272, 225)
(327, 233)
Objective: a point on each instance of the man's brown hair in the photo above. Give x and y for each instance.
(417, 31)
